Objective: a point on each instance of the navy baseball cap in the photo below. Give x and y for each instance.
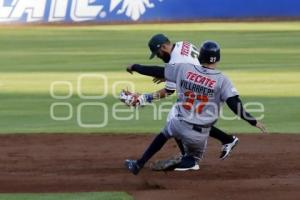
(155, 43)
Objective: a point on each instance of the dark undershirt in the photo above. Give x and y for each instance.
(155, 71)
(236, 106)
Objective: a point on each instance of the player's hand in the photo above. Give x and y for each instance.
(129, 69)
(261, 127)
(133, 99)
(158, 80)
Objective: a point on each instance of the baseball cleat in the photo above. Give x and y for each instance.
(187, 163)
(132, 166)
(227, 148)
(182, 169)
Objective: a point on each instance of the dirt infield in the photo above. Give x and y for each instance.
(261, 167)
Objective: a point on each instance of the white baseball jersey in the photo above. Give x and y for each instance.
(183, 52)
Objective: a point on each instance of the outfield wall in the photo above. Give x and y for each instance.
(68, 11)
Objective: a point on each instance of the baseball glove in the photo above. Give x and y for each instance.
(166, 165)
(132, 99)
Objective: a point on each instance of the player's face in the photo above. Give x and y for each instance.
(162, 54)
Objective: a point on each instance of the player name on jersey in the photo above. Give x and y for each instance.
(199, 89)
(185, 49)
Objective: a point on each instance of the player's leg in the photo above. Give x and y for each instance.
(180, 146)
(172, 114)
(220, 135)
(195, 143)
(134, 166)
(228, 141)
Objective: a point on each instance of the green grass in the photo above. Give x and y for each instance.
(68, 196)
(262, 59)
(22, 106)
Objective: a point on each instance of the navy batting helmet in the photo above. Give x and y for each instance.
(209, 52)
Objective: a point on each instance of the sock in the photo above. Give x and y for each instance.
(154, 147)
(180, 145)
(220, 135)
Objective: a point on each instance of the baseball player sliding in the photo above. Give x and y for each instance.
(201, 92)
(180, 52)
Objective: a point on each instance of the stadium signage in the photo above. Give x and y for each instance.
(70, 10)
